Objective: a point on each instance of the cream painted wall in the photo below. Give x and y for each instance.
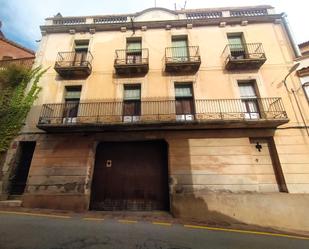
(210, 82)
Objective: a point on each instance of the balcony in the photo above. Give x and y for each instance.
(74, 64)
(182, 59)
(131, 62)
(248, 56)
(208, 113)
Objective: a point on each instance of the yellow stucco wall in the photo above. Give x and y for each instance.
(210, 82)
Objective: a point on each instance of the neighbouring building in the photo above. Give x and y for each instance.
(14, 53)
(303, 68)
(183, 111)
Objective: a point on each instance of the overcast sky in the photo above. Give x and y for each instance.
(21, 18)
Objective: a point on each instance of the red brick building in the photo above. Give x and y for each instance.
(12, 52)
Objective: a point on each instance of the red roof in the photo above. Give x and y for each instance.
(16, 44)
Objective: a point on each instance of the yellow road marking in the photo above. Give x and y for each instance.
(161, 223)
(93, 219)
(246, 231)
(127, 221)
(34, 214)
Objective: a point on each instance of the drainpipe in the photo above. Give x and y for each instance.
(292, 69)
(290, 36)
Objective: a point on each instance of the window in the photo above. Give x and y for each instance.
(237, 46)
(132, 103)
(81, 50)
(71, 98)
(306, 89)
(134, 51)
(184, 101)
(180, 48)
(249, 99)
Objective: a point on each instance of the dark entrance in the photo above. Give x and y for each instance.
(130, 176)
(23, 163)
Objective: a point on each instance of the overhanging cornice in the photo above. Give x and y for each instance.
(159, 24)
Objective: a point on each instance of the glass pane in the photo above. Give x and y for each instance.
(136, 45)
(72, 93)
(252, 106)
(235, 40)
(183, 91)
(180, 48)
(71, 109)
(81, 48)
(247, 90)
(81, 45)
(179, 43)
(132, 93)
(306, 87)
(131, 108)
(236, 44)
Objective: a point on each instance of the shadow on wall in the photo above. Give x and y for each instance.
(191, 200)
(186, 200)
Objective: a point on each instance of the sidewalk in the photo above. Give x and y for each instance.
(160, 217)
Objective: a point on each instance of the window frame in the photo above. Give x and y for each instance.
(182, 101)
(247, 100)
(135, 104)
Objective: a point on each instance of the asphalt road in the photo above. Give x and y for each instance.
(35, 232)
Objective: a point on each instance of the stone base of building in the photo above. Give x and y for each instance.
(229, 174)
(77, 203)
(275, 210)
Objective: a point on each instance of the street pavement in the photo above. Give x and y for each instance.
(24, 231)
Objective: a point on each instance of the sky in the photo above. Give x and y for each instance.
(21, 18)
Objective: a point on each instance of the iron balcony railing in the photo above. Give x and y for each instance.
(245, 51)
(163, 111)
(189, 54)
(74, 59)
(131, 56)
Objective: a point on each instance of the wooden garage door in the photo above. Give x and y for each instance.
(130, 176)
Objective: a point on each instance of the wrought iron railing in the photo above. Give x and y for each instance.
(245, 51)
(182, 54)
(131, 56)
(25, 62)
(73, 59)
(163, 111)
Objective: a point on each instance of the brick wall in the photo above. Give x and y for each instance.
(7, 49)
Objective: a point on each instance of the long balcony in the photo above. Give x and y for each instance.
(182, 59)
(74, 64)
(247, 56)
(131, 62)
(206, 113)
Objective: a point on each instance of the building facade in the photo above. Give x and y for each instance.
(303, 68)
(183, 111)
